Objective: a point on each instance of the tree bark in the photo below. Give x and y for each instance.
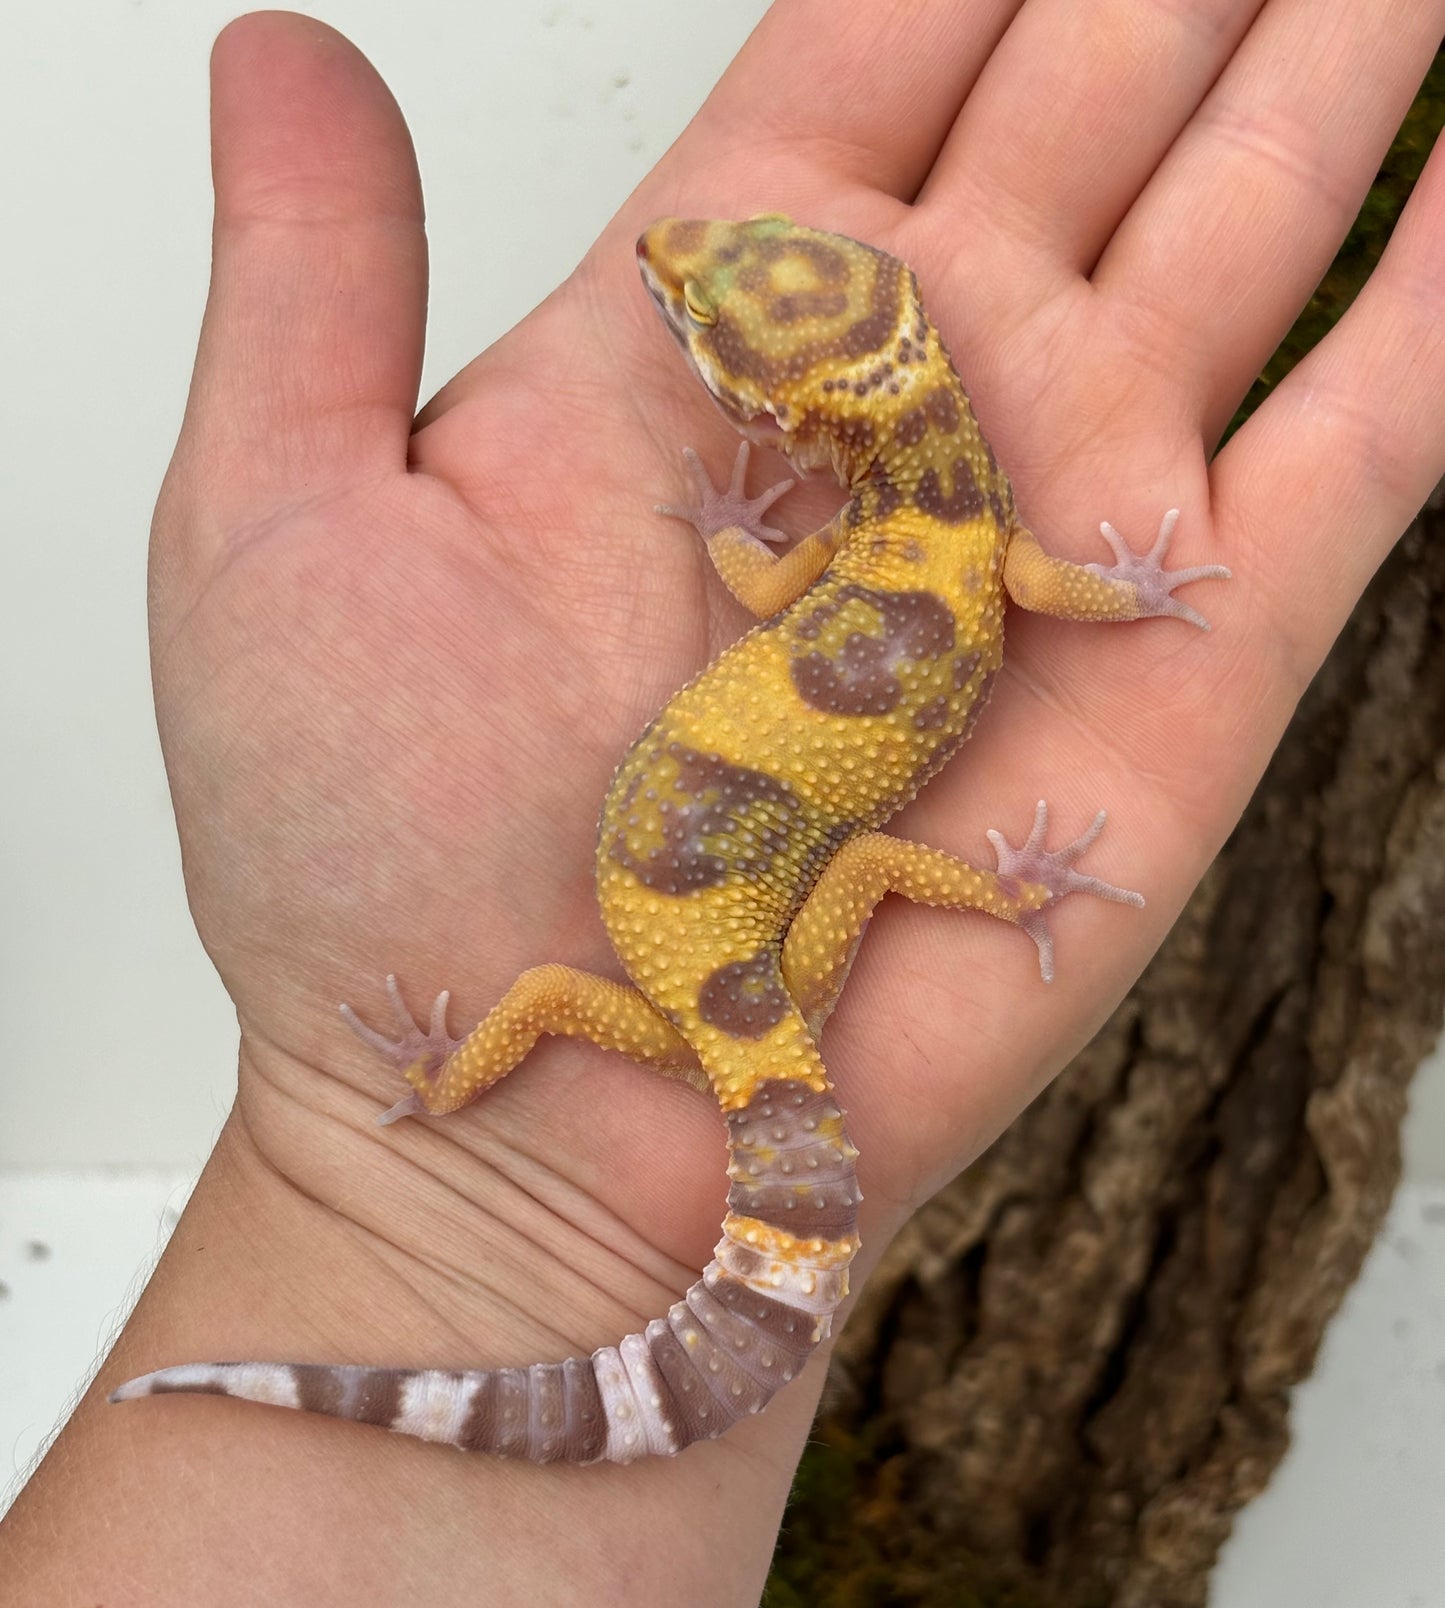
(1074, 1366)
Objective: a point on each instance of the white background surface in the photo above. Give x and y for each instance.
(532, 121)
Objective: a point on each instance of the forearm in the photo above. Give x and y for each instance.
(196, 1499)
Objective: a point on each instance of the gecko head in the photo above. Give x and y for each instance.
(795, 333)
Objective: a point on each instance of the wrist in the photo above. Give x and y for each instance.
(312, 1238)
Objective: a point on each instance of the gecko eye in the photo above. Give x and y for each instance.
(699, 309)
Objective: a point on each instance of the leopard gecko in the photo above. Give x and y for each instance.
(739, 854)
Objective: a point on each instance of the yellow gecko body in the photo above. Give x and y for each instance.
(739, 855)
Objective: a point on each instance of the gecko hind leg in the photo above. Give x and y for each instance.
(1031, 862)
(1029, 881)
(411, 1047)
(446, 1073)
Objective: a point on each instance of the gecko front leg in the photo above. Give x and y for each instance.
(732, 527)
(1136, 586)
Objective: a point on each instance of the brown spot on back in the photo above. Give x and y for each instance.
(931, 715)
(745, 998)
(809, 626)
(860, 675)
(700, 819)
(886, 495)
(951, 744)
(856, 680)
(963, 503)
(911, 428)
(919, 623)
(942, 409)
(963, 668)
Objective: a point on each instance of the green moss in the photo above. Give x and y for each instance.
(824, 1558)
(850, 1540)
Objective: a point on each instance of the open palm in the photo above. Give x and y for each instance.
(397, 660)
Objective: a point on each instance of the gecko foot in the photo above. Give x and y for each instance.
(411, 1049)
(1146, 573)
(1055, 869)
(717, 511)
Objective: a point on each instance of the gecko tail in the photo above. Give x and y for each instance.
(745, 1329)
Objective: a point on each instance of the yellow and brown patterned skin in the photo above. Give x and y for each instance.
(739, 855)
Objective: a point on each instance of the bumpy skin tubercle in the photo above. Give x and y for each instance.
(739, 854)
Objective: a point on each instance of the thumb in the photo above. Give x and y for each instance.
(310, 352)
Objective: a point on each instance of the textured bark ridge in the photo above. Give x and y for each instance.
(1073, 1368)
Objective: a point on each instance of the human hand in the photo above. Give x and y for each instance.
(395, 665)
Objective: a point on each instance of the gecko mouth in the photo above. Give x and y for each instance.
(757, 424)
(754, 422)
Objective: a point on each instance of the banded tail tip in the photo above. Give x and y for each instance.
(147, 1384)
(264, 1382)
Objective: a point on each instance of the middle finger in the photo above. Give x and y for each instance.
(1072, 114)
